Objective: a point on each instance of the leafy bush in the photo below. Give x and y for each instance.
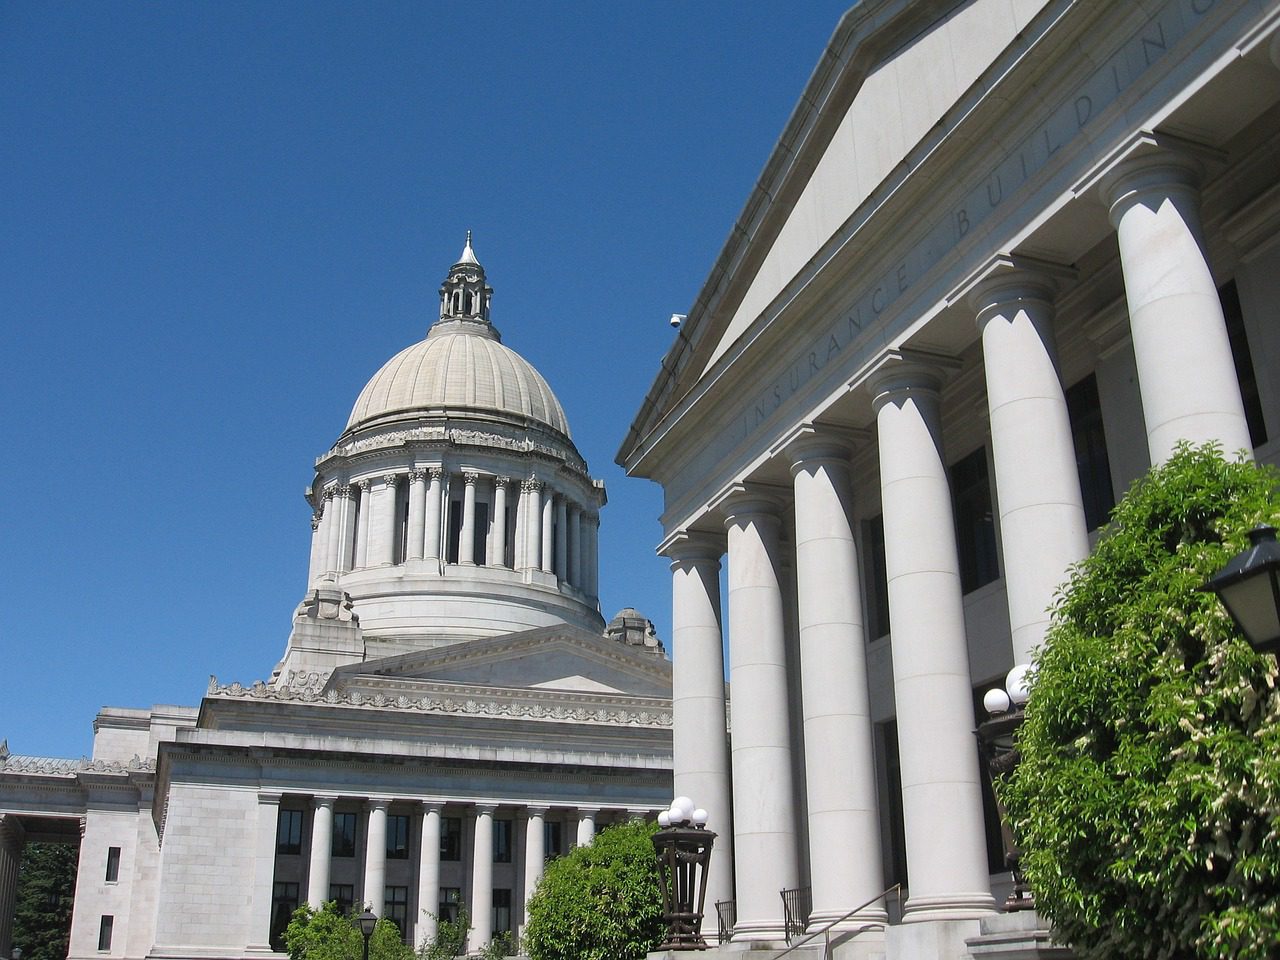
(451, 937)
(600, 902)
(1147, 800)
(326, 934)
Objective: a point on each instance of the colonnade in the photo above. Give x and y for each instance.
(1189, 392)
(406, 516)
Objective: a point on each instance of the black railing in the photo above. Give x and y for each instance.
(797, 904)
(726, 917)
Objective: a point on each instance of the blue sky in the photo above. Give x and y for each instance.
(218, 220)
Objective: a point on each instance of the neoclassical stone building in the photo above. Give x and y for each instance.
(450, 709)
(1005, 255)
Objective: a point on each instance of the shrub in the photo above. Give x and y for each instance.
(326, 934)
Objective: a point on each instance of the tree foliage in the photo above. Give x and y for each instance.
(46, 888)
(327, 934)
(1147, 800)
(600, 902)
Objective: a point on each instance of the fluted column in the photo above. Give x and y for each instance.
(562, 537)
(699, 732)
(941, 798)
(362, 525)
(428, 872)
(840, 777)
(12, 839)
(264, 871)
(332, 523)
(1186, 372)
(535, 853)
(432, 524)
(499, 558)
(763, 798)
(482, 880)
(1042, 525)
(574, 559)
(321, 848)
(467, 537)
(417, 514)
(316, 565)
(375, 857)
(532, 523)
(387, 521)
(548, 542)
(587, 825)
(347, 536)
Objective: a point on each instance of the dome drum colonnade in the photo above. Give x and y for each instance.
(1189, 391)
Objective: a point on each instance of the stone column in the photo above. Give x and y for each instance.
(574, 562)
(532, 523)
(467, 538)
(562, 537)
(587, 825)
(535, 853)
(482, 880)
(431, 525)
(699, 732)
(765, 855)
(347, 537)
(840, 777)
(321, 848)
(385, 509)
(499, 557)
(362, 526)
(592, 577)
(12, 839)
(1185, 368)
(1042, 525)
(375, 856)
(417, 514)
(428, 872)
(332, 523)
(264, 871)
(941, 797)
(548, 542)
(314, 568)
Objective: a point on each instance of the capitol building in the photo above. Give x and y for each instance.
(450, 709)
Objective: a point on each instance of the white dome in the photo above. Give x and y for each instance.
(456, 370)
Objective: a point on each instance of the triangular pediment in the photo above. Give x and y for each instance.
(549, 658)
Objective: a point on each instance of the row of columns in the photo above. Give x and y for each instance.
(1189, 392)
(12, 839)
(356, 526)
(480, 901)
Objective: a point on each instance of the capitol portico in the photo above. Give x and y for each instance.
(1006, 255)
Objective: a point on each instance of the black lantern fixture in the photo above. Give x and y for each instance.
(366, 922)
(998, 744)
(1249, 587)
(684, 850)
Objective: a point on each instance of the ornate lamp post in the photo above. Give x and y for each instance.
(998, 744)
(1249, 587)
(684, 849)
(366, 922)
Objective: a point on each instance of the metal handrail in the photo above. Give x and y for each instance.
(827, 929)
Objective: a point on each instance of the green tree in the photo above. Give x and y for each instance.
(46, 888)
(326, 934)
(600, 902)
(1147, 800)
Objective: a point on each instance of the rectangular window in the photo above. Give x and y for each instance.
(450, 897)
(289, 832)
(397, 909)
(344, 834)
(501, 913)
(397, 837)
(480, 535)
(113, 864)
(284, 900)
(975, 522)
(1084, 410)
(509, 559)
(344, 895)
(1240, 353)
(455, 531)
(502, 841)
(401, 546)
(552, 845)
(104, 932)
(876, 578)
(450, 838)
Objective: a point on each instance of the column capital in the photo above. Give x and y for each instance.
(588, 811)
(364, 484)
(391, 480)
(902, 374)
(318, 801)
(342, 491)
(1009, 279)
(531, 484)
(1150, 166)
(501, 481)
(743, 502)
(417, 475)
(328, 493)
(315, 522)
(432, 806)
(537, 809)
(693, 547)
(470, 477)
(435, 473)
(483, 809)
(270, 797)
(377, 803)
(817, 443)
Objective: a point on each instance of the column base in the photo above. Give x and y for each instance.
(758, 935)
(956, 906)
(865, 920)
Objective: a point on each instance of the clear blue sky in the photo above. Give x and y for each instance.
(218, 220)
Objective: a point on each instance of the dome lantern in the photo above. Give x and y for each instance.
(465, 297)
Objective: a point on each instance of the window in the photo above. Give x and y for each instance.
(344, 895)
(551, 839)
(1234, 315)
(876, 577)
(104, 931)
(975, 525)
(289, 832)
(344, 835)
(480, 536)
(502, 841)
(113, 864)
(1084, 410)
(897, 850)
(450, 838)
(501, 912)
(284, 900)
(397, 837)
(450, 898)
(455, 531)
(397, 908)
